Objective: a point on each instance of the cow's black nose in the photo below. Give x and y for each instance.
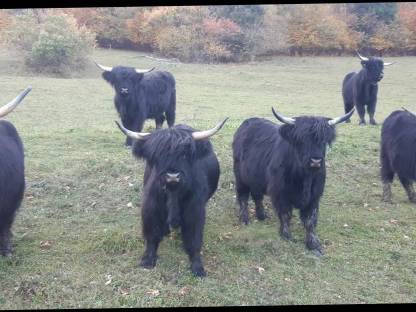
(124, 90)
(316, 162)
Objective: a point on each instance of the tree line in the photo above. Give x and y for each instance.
(210, 33)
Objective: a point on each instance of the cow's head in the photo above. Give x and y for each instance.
(171, 153)
(6, 109)
(309, 136)
(123, 79)
(374, 67)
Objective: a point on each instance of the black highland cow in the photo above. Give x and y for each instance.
(286, 162)
(141, 95)
(360, 89)
(181, 175)
(398, 152)
(12, 174)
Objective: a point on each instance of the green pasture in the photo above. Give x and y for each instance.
(78, 241)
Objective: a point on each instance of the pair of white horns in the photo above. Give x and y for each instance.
(107, 68)
(4, 110)
(363, 58)
(197, 135)
(331, 122)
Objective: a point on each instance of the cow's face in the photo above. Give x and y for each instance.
(124, 80)
(309, 137)
(374, 69)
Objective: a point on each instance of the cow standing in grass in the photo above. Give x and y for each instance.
(360, 89)
(180, 177)
(286, 162)
(398, 152)
(12, 174)
(141, 95)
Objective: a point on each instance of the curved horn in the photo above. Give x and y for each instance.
(286, 120)
(132, 134)
(342, 118)
(409, 111)
(362, 57)
(199, 135)
(12, 105)
(142, 71)
(104, 68)
(388, 64)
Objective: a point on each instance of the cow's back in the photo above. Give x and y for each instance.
(253, 146)
(11, 167)
(398, 143)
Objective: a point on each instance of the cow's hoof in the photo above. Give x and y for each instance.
(148, 263)
(244, 220)
(413, 200)
(287, 236)
(362, 123)
(317, 252)
(373, 122)
(198, 270)
(261, 215)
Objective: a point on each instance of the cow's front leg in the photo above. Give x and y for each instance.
(309, 217)
(192, 234)
(361, 113)
(371, 109)
(284, 212)
(154, 228)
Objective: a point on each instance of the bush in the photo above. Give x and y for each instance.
(55, 45)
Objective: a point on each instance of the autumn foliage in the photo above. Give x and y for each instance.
(243, 32)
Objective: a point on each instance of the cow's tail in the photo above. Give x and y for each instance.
(171, 111)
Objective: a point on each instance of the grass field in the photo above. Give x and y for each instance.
(77, 241)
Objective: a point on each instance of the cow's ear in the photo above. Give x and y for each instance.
(108, 76)
(364, 63)
(286, 131)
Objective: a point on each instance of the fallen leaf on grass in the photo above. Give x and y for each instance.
(394, 221)
(260, 269)
(153, 292)
(130, 205)
(287, 279)
(183, 291)
(45, 244)
(124, 291)
(108, 280)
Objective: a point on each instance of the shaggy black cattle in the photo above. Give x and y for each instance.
(12, 174)
(181, 175)
(360, 89)
(286, 162)
(398, 152)
(141, 95)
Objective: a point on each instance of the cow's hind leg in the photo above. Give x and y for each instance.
(243, 194)
(170, 112)
(387, 175)
(408, 186)
(347, 108)
(159, 121)
(5, 236)
(258, 201)
(192, 233)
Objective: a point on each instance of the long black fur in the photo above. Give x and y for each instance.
(165, 206)
(274, 160)
(398, 152)
(360, 89)
(150, 96)
(12, 181)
